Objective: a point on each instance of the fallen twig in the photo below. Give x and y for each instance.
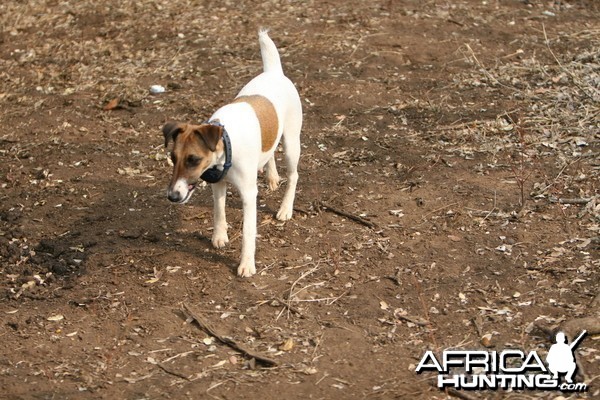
(464, 125)
(424, 217)
(301, 210)
(342, 213)
(488, 214)
(555, 179)
(177, 356)
(285, 304)
(205, 326)
(577, 325)
(171, 372)
(337, 298)
(137, 379)
(456, 393)
(291, 294)
(561, 200)
(459, 394)
(414, 320)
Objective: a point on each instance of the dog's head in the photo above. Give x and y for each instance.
(194, 151)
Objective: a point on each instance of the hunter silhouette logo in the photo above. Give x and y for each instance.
(561, 357)
(508, 369)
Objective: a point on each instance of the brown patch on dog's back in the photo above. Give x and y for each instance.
(267, 117)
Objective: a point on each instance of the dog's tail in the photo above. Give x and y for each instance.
(269, 53)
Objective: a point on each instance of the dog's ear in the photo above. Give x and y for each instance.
(170, 131)
(210, 134)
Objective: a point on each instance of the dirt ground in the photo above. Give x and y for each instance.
(448, 197)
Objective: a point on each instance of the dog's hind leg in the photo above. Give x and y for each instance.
(272, 175)
(291, 147)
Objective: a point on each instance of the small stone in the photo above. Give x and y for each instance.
(157, 89)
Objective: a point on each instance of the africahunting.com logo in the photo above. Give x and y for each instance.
(508, 369)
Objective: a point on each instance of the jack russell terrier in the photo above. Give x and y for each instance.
(235, 143)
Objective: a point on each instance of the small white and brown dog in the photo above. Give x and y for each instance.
(235, 143)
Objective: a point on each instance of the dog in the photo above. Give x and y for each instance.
(237, 141)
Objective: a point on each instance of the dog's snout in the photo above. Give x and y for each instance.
(174, 196)
(180, 192)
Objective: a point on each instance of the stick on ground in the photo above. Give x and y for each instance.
(575, 326)
(570, 201)
(171, 372)
(206, 327)
(352, 217)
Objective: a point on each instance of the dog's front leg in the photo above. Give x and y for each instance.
(248, 194)
(219, 237)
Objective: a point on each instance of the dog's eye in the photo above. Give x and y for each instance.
(192, 161)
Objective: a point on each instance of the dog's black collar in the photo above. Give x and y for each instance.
(214, 174)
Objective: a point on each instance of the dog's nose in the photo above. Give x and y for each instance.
(174, 196)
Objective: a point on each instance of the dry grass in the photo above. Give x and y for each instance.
(556, 114)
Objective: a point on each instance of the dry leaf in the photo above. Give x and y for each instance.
(310, 370)
(28, 285)
(397, 213)
(486, 340)
(128, 171)
(57, 317)
(584, 244)
(220, 363)
(111, 105)
(287, 345)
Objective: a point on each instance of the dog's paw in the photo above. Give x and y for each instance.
(273, 182)
(285, 213)
(220, 240)
(246, 269)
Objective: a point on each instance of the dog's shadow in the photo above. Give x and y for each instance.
(200, 247)
(113, 230)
